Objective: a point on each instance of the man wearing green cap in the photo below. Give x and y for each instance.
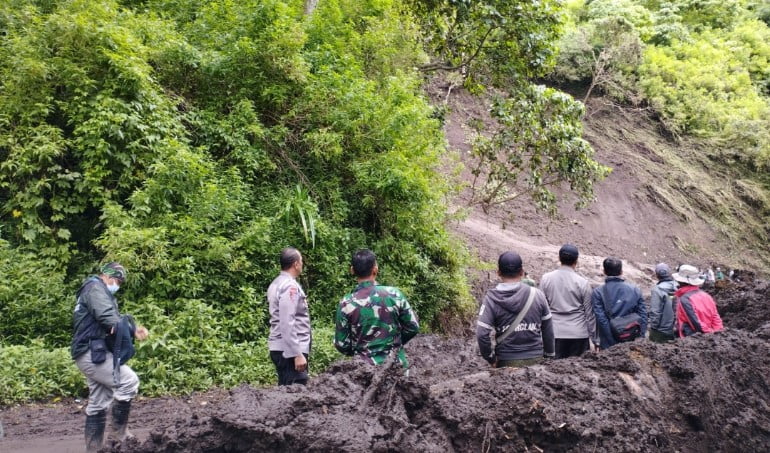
(95, 320)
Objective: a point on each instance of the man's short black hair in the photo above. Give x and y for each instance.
(363, 262)
(289, 256)
(510, 265)
(568, 254)
(612, 267)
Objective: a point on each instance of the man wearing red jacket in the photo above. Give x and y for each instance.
(695, 309)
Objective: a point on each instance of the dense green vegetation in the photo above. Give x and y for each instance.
(191, 141)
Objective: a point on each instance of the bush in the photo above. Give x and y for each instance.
(193, 141)
(705, 67)
(705, 88)
(35, 372)
(167, 363)
(34, 300)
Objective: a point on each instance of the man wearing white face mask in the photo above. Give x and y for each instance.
(95, 318)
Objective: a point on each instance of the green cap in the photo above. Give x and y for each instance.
(115, 270)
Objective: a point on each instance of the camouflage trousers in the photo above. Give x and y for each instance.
(518, 363)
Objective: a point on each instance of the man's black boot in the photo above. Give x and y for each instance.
(120, 412)
(95, 425)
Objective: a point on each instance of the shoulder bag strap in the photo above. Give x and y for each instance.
(519, 317)
(666, 298)
(606, 302)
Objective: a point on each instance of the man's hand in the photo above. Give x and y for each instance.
(141, 333)
(593, 347)
(300, 363)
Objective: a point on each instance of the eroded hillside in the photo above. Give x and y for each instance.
(665, 200)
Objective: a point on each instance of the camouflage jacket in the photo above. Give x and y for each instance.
(374, 320)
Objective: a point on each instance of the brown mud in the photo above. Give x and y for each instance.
(702, 393)
(745, 304)
(706, 393)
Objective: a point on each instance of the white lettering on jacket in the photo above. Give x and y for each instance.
(530, 326)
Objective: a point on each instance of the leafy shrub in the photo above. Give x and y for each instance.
(165, 364)
(34, 301)
(192, 141)
(705, 89)
(34, 372)
(540, 142)
(704, 67)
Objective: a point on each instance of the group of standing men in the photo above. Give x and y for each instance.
(372, 321)
(520, 325)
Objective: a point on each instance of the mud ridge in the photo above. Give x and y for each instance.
(744, 304)
(702, 393)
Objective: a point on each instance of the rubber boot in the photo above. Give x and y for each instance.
(95, 425)
(120, 412)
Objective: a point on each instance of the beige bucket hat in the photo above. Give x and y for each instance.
(688, 275)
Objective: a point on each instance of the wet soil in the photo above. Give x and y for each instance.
(703, 393)
(745, 304)
(57, 427)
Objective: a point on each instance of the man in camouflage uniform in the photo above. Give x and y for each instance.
(373, 320)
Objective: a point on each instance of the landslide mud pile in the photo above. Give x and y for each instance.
(745, 304)
(703, 393)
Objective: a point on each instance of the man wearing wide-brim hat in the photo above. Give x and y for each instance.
(696, 311)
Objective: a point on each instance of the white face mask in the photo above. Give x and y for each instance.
(113, 288)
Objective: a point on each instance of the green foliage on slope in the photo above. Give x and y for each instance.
(703, 66)
(192, 141)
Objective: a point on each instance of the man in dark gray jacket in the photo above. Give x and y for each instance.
(289, 340)
(508, 335)
(662, 305)
(96, 316)
(569, 298)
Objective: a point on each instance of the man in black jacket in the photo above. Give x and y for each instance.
(618, 299)
(96, 316)
(518, 316)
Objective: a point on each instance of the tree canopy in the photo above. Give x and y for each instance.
(191, 141)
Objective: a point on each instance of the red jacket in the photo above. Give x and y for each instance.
(696, 312)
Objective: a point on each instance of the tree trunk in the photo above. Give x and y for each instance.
(310, 6)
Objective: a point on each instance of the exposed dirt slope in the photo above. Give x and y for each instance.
(656, 205)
